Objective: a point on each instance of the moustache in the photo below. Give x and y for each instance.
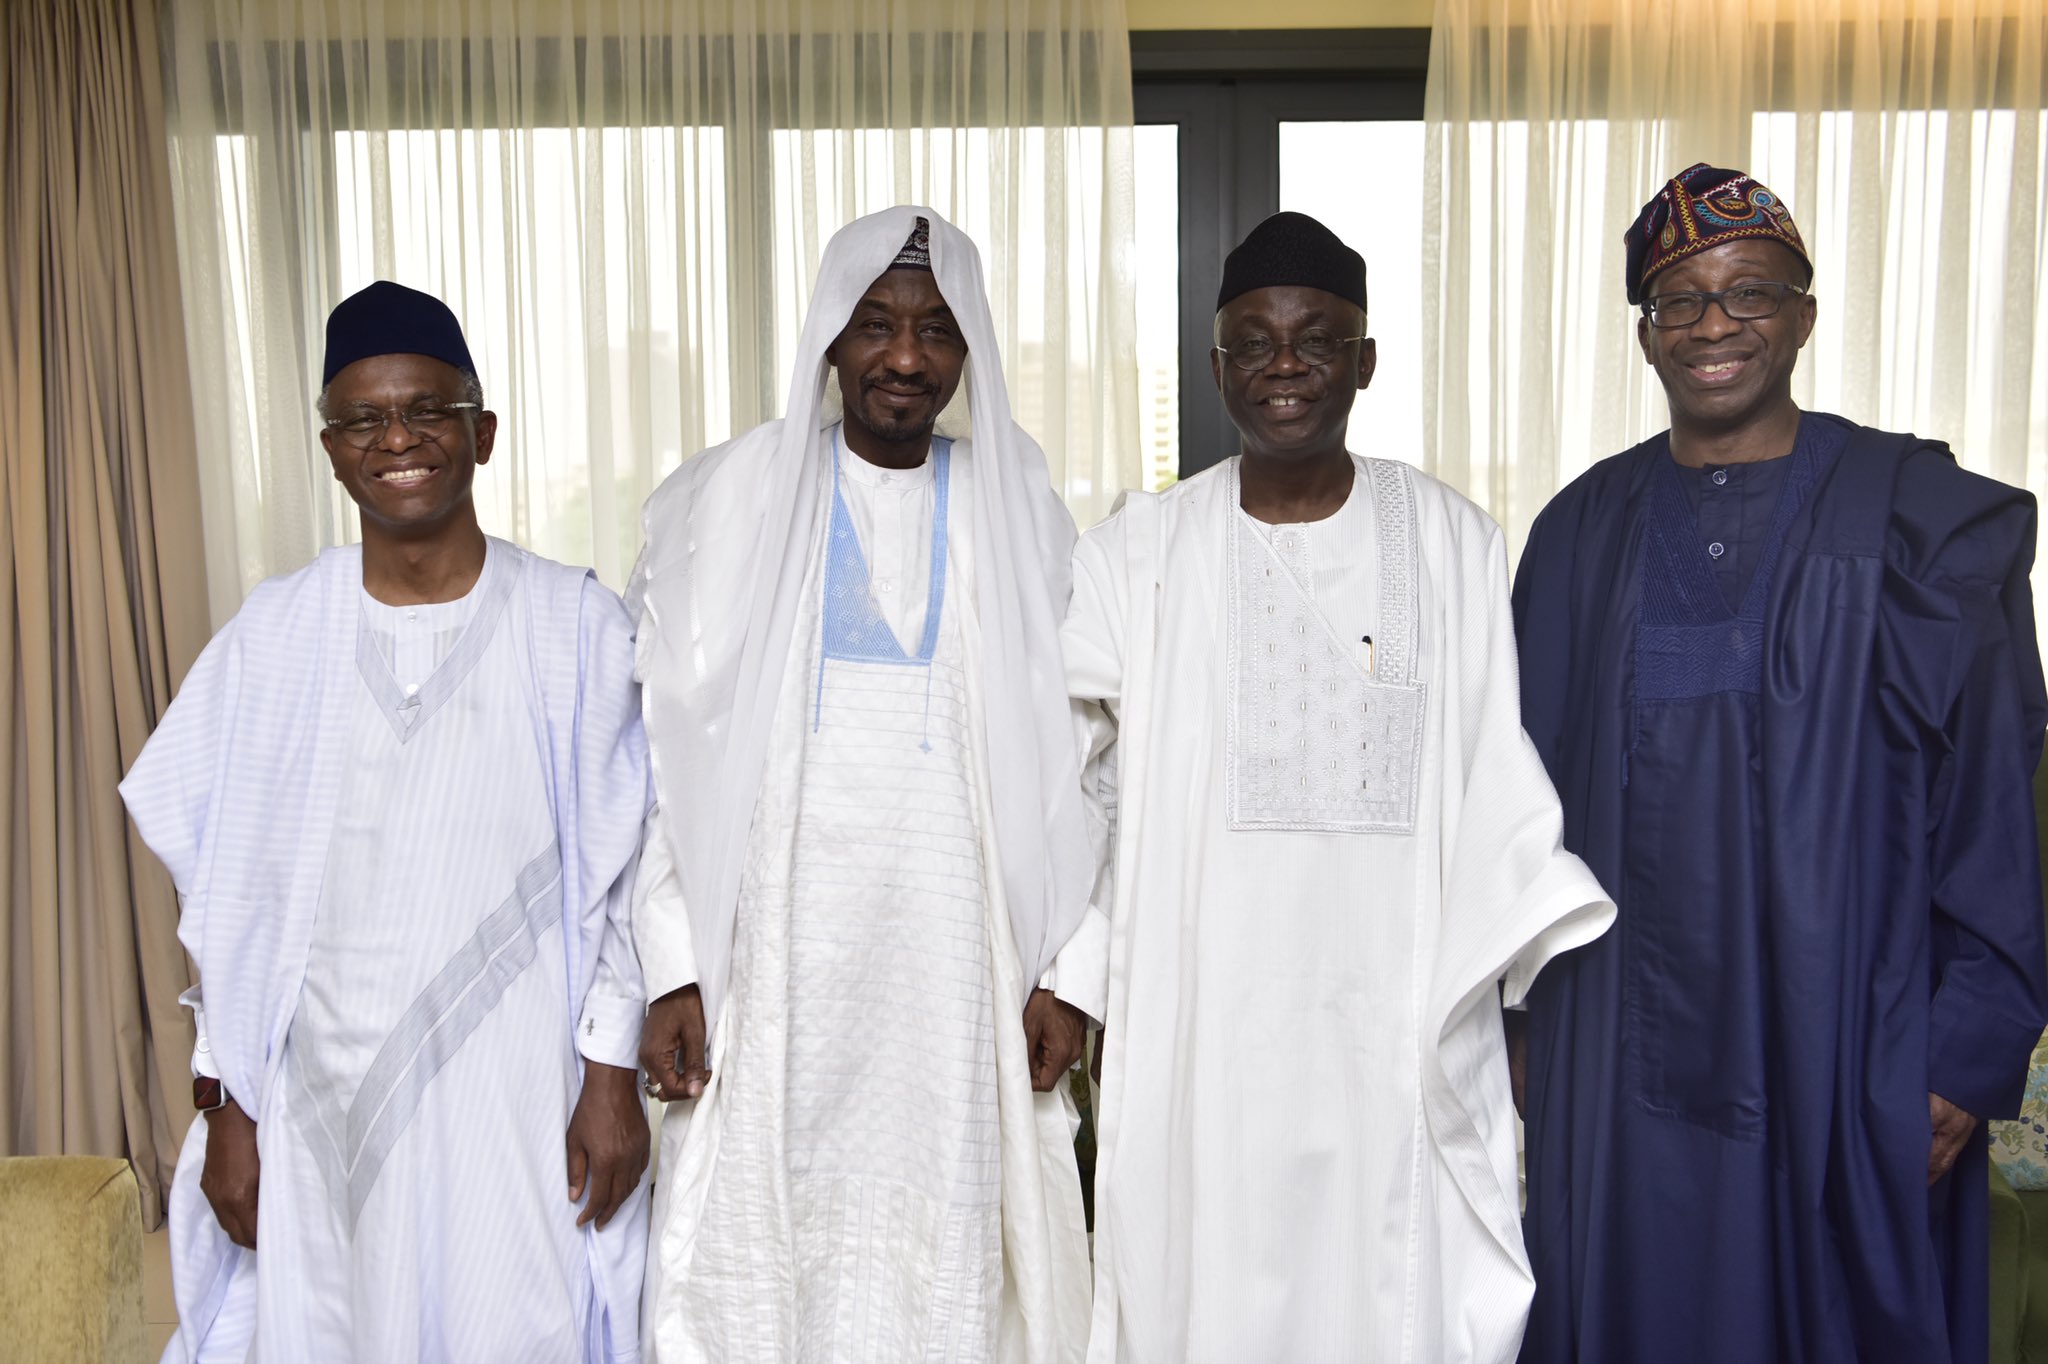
(918, 382)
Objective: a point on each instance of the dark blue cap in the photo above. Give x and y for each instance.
(390, 319)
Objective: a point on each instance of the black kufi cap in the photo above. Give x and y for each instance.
(1293, 249)
(390, 319)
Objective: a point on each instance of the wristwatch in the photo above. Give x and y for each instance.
(208, 1093)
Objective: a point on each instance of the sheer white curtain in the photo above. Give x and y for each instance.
(624, 202)
(1906, 136)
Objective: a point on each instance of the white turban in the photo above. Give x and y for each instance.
(716, 595)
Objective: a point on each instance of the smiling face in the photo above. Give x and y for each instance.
(407, 487)
(1290, 409)
(1721, 375)
(898, 361)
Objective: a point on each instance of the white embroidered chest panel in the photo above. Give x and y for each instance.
(1317, 742)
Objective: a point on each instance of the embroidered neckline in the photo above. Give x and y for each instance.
(1315, 741)
(493, 589)
(1688, 642)
(853, 628)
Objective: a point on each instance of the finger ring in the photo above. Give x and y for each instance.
(653, 1089)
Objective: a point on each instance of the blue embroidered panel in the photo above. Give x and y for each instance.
(1688, 643)
(855, 630)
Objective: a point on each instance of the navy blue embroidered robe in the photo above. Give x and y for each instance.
(1813, 809)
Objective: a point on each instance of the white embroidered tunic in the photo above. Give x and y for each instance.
(839, 1192)
(1325, 860)
(1325, 717)
(724, 597)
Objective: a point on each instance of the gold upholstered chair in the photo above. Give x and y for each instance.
(70, 1261)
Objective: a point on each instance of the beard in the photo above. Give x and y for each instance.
(895, 418)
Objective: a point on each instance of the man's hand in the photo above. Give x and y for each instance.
(232, 1172)
(672, 1046)
(1952, 1128)
(1516, 1024)
(1054, 1034)
(607, 1142)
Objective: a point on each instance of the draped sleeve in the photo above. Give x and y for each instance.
(1960, 619)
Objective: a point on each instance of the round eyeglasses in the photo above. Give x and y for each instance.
(429, 422)
(1313, 348)
(1743, 303)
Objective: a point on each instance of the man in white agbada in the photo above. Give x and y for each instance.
(869, 846)
(400, 794)
(1334, 850)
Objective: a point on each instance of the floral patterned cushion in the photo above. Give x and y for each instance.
(2021, 1147)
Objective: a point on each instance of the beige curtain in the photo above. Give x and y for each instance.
(625, 203)
(100, 569)
(1907, 137)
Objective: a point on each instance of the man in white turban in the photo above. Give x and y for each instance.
(869, 847)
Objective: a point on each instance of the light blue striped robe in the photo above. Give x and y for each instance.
(239, 792)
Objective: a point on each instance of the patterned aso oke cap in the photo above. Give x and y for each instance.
(917, 251)
(1698, 209)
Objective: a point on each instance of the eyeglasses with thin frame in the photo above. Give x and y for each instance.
(429, 422)
(1313, 348)
(1743, 303)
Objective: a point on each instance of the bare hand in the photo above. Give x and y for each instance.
(1952, 1128)
(607, 1142)
(1516, 1024)
(675, 1024)
(232, 1172)
(1055, 1032)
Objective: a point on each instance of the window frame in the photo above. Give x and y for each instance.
(1229, 92)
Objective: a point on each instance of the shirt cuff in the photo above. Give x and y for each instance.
(1080, 974)
(608, 1032)
(668, 962)
(1977, 1056)
(202, 1049)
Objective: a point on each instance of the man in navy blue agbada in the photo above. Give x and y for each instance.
(1782, 669)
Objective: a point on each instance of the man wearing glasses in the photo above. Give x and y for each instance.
(400, 794)
(1782, 669)
(1333, 848)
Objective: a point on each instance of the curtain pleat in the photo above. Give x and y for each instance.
(624, 201)
(1906, 136)
(100, 560)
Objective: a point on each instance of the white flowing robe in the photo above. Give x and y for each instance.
(724, 623)
(868, 1175)
(728, 541)
(407, 1024)
(1327, 870)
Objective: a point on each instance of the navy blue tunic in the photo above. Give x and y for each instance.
(1805, 779)
(1733, 505)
